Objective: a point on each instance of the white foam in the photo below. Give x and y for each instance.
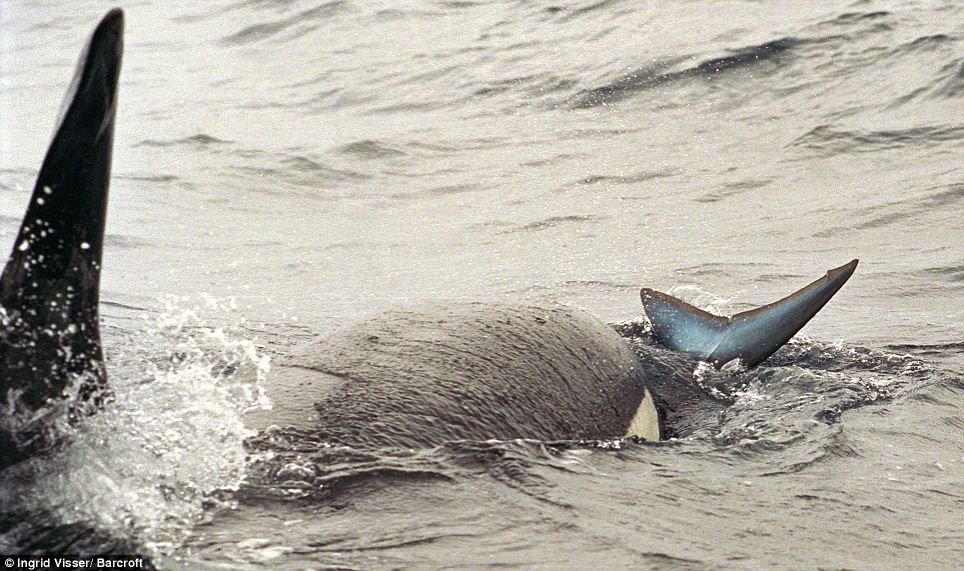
(171, 436)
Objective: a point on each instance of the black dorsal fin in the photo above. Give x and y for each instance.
(751, 336)
(49, 289)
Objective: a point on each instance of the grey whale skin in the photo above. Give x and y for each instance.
(411, 377)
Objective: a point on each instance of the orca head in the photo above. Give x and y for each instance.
(50, 286)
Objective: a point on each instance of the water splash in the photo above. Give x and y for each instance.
(172, 434)
(705, 300)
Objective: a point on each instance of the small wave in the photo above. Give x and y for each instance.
(302, 171)
(848, 18)
(951, 86)
(412, 106)
(199, 140)
(423, 77)
(256, 4)
(590, 9)
(369, 149)
(306, 165)
(459, 4)
(747, 56)
(927, 43)
(851, 26)
(733, 189)
(19, 171)
(147, 178)
(442, 190)
(655, 75)
(642, 176)
(929, 349)
(828, 141)
(626, 85)
(286, 463)
(554, 221)
(908, 208)
(328, 97)
(13, 221)
(601, 284)
(548, 160)
(531, 86)
(814, 451)
(123, 306)
(945, 84)
(815, 355)
(397, 13)
(302, 20)
(122, 242)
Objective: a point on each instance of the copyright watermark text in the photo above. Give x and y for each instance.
(39, 562)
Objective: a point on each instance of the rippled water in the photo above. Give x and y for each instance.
(287, 167)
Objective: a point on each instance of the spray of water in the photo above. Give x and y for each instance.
(171, 435)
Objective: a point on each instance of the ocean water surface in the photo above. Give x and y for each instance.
(283, 168)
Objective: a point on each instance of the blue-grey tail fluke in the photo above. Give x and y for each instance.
(49, 290)
(751, 336)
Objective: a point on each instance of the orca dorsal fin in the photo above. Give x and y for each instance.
(50, 286)
(751, 336)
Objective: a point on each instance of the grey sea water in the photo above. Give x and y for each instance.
(283, 168)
